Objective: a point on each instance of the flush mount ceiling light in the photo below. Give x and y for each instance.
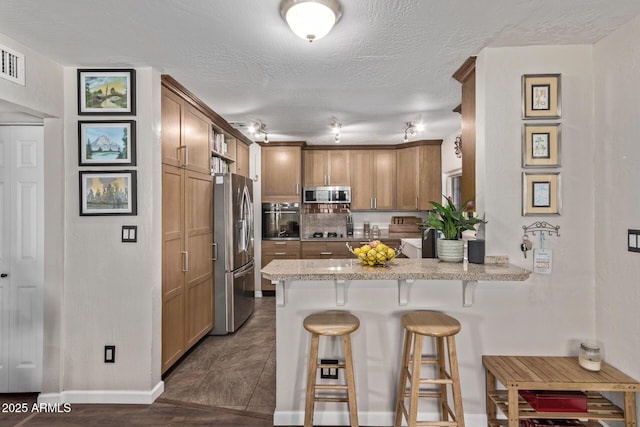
(311, 19)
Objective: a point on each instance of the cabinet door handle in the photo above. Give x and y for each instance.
(280, 243)
(417, 204)
(297, 188)
(326, 253)
(215, 251)
(375, 203)
(280, 253)
(185, 261)
(371, 203)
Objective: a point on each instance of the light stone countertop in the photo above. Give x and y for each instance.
(399, 269)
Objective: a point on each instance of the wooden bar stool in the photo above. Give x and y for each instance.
(418, 324)
(330, 323)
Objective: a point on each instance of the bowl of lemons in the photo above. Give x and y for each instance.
(374, 253)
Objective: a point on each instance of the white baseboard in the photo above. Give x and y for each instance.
(333, 418)
(104, 396)
(258, 294)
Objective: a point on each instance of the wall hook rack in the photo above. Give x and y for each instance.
(542, 227)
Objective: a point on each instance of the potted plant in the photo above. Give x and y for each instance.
(451, 222)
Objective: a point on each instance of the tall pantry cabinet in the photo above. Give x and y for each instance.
(187, 226)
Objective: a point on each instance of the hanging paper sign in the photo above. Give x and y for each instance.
(542, 261)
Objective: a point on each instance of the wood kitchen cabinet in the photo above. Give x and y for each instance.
(373, 183)
(466, 75)
(187, 267)
(187, 217)
(281, 173)
(419, 177)
(185, 134)
(325, 250)
(326, 167)
(278, 249)
(242, 159)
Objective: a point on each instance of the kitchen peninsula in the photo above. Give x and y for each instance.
(378, 296)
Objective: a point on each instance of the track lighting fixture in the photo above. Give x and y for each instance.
(254, 128)
(412, 128)
(336, 127)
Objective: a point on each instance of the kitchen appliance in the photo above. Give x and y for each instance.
(233, 252)
(349, 226)
(326, 195)
(326, 234)
(280, 221)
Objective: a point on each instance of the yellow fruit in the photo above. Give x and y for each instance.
(357, 251)
(391, 253)
(365, 248)
(372, 263)
(381, 247)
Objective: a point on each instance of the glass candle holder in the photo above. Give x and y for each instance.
(589, 357)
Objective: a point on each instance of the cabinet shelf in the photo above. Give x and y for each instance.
(223, 156)
(598, 408)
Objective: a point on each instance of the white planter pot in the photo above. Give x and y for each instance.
(450, 250)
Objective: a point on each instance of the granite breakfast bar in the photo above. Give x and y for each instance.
(378, 296)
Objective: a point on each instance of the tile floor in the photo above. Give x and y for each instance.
(226, 381)
(235, 371)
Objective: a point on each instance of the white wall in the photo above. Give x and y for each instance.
(547, 314)
(112, 290)
(617, 198)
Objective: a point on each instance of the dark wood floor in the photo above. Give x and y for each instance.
(225, 381)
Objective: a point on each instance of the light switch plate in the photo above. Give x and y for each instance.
(129, 233)
(633, 240)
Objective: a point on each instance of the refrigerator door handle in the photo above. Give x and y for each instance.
(243, 271)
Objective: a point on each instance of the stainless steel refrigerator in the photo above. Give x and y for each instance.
(233, 252)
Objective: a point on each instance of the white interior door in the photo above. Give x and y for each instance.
(21, 258)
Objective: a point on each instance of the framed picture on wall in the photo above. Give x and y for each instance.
(541, 96)
(108, 193)
(107, 143)
(106, 92)
(541, 145)
(541, 193)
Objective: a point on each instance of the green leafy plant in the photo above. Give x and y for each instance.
(450, 221)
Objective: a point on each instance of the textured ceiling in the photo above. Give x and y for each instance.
(385, 63)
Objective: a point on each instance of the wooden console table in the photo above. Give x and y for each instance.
(555, 373)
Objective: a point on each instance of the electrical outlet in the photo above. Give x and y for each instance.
(109, 354)
(330, 372)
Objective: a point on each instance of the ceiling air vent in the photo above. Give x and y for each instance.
(12, 65)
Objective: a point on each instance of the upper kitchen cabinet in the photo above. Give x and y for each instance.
(373, 185)
(281, 172)
(326, 167)
(195, 137)
(466, 75)
(185, 133)
(419, 176)
(242, 159)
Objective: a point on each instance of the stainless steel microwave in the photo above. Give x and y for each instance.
(326, 195)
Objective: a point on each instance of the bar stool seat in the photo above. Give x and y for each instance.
(442, 328)
(330, 323)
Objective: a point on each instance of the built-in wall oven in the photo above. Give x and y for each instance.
(280, 221)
